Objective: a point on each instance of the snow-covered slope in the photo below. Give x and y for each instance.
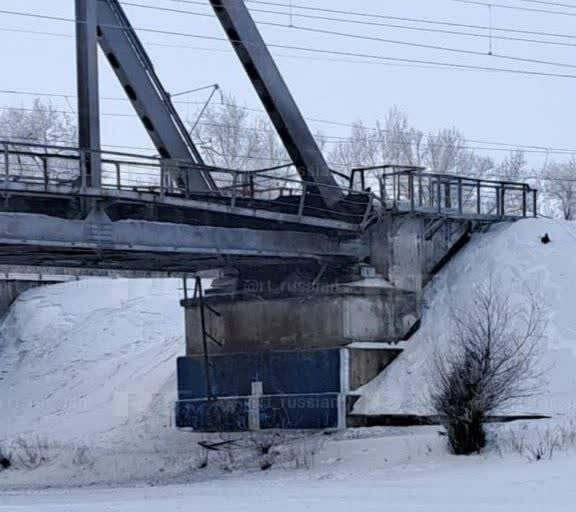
(516, 258)
(88, 360)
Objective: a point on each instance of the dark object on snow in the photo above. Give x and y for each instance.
(545, 239)
(216, 446)
(5, 463)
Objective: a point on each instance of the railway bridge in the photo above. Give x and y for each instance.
(323, 270)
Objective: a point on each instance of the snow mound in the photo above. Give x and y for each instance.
(515, 257)
(90, 360)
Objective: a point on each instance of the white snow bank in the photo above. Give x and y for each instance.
(90, 360)
(405, 470)
(515, 256)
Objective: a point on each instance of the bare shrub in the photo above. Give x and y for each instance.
(31, 453)
(266, 446)
(82, 456)
(5, 457)
(538, 444)
(491, 364)
(302, 454)
(201, 459)
(545, 447)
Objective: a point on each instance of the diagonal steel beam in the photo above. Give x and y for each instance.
(276, 97)
(132, 66)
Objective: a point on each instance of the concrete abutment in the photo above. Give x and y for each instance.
(293, 357)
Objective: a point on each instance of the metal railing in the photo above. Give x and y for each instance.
(31, 167)
(404, 188)
(59, 170)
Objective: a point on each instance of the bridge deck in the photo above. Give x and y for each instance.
(140, 219)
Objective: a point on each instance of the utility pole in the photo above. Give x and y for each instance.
(88, 94)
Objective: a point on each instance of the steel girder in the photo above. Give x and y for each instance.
(276, 97)
(135, 71)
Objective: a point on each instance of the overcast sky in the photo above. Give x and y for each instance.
(485, 105)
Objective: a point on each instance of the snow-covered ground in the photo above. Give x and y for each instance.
(90, 359)
(513, 256)
(406, 471)
(87, 380)
(88, 371)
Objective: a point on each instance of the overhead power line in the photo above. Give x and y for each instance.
(554, 4)
(364, 15)
(376, 39)
(229, 50)
(340, 53)
(452, 32)
(515, 7)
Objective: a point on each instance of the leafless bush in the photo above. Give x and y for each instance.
(266, 446)
(491, 363)
(5, 457)
(201, 459)
(302, 454)
(538, 444)
(31, 453)
(82, 456)
(545, 447)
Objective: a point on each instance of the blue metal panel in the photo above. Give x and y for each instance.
(301, 372)
(229, 415)
(280, 372)
(276, 412)
(299, 412)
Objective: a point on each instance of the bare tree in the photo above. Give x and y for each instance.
(491, 364)
(559, 185)
(233, 138)
(513, 167)
(41, 124)
(395, 141)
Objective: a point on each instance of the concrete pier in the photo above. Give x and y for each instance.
(291, 354)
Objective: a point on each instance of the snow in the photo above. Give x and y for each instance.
(406, 471)
(88, 359)
(88, 368)
(513, 256)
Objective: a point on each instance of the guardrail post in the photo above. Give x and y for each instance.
(460, 196)
(234, 185)
(478, 198)
(411, 191)
(439, 194)
(524, 201)
(503, 199)
(420, 192)
(118, 176)
(302, 200)
(45, 172)
(187, 183)
(83, 170)
(535, 202)
(448, 193)
(6, 164)
(162, 178)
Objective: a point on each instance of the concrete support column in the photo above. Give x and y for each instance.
(396, 245)
(407, 266)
